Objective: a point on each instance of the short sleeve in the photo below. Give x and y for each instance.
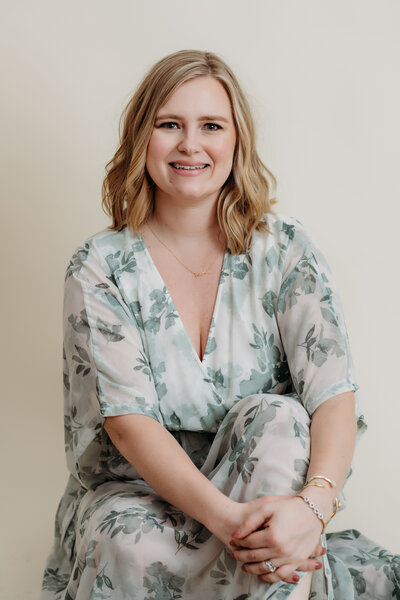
(106, 371)
(312, 327)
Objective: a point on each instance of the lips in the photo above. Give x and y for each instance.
(186, 163)
(189, 168)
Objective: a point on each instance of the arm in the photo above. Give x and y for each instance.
(152, 450)
(293, 530)
(333, 435)
(312, 328)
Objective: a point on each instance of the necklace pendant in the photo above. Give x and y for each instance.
(201, 273)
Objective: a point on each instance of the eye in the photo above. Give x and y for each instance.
(214, 125)
(167, 123)
(171, 124)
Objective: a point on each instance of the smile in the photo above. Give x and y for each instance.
(188, 170)
(188, 167)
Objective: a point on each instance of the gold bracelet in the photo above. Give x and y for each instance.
(332, 484)
(330, 481)
(336, 508)
(312, 484)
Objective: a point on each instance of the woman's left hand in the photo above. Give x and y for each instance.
(283, 530)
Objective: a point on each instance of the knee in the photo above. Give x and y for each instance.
(273, 408)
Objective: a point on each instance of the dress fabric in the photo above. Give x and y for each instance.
(276, 350)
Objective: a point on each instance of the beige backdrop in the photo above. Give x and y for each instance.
(322, 77)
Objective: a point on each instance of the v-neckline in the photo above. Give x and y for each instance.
(179, 320)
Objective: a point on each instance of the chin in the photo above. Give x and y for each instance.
(198, 196)
(190, 194)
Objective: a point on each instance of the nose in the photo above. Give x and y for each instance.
(189, 140)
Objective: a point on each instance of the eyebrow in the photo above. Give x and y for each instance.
(204, 118)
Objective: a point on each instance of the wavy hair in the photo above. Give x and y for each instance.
(128, 191)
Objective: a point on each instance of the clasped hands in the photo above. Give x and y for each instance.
(280, 529)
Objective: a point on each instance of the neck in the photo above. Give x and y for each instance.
(180, 224)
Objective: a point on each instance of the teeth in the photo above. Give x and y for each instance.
(187, 167)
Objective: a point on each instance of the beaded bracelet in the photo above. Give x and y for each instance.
(332, 484)
(315, 510)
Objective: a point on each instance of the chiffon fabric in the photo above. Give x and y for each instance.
(277, 349)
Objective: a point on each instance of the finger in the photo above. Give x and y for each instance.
(253, 555)
(258, 539)
(318, 551)
(287, 573)
(284, 573)
(253, 522)
(269, 578)
(260, 568)
(310, 565)
(292, 578)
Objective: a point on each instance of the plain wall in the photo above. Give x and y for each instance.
(322, 77)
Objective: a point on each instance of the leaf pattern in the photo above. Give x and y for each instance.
(277, 349)
(161, 583)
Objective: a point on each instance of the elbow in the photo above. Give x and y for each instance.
(123, 429)
(113, 431)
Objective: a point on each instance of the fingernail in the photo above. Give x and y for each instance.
(231, 555)
(318, 565)
(243, 567)
(296, 578)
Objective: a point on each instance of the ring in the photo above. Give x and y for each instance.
(268, 565)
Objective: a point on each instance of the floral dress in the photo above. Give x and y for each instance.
(277, 349)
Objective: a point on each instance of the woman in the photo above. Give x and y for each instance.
(210, 396)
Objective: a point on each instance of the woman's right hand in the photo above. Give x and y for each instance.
(224, 526)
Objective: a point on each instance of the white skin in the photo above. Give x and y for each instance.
(282, 529)
(193, 139)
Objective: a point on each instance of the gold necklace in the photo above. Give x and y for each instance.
(198, 274)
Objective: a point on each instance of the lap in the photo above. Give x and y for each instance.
(116, 509)
(124, 505)
(127, 533)
(129, 542)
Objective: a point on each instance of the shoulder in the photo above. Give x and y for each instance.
(287, 242)
(286, 230)
(102, 251)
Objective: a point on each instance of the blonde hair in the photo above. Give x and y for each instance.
(128, 191)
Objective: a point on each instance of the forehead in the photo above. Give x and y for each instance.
(202, 94)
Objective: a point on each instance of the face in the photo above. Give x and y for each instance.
(194, 128)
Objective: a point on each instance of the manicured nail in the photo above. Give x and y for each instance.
(296, 577)
(243, 567)
(318, 565)
(231, 555)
